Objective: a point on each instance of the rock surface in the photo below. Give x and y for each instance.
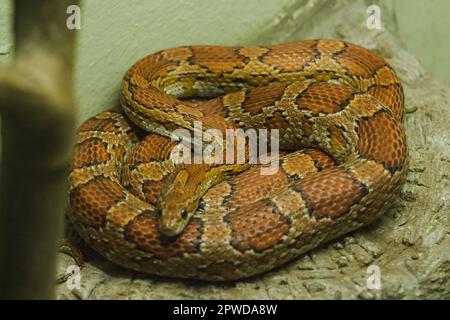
(409, 245)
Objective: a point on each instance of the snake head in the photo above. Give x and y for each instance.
(173, 217)
(176, 206)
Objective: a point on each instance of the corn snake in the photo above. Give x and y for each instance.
(337, 105)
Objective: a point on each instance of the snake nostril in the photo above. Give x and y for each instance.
(158, 212)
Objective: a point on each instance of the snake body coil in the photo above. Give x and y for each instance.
(338, 108)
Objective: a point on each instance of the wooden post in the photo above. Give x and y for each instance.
(37, 127)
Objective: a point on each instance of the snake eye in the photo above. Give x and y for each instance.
(201, 205)
(184, 214)
(158, 212)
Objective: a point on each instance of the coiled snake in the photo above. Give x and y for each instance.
(338, 108)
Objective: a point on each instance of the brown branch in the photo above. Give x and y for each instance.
(36, 104)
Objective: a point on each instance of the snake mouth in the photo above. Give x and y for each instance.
(171, 228)
(172, 222)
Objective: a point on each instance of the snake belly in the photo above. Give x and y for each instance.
(338, 108)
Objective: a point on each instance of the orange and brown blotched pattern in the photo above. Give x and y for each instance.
(101, 123)
(90, 152)
(324, 202)
(339, 109)
(373, 132)
(261, 97)
(143, 231)
(325, 98)
(272, 227)
(90, 202)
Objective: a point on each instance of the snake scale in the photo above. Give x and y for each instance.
(338, 108)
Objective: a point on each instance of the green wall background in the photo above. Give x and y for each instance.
(424, 27)
(115, 33)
